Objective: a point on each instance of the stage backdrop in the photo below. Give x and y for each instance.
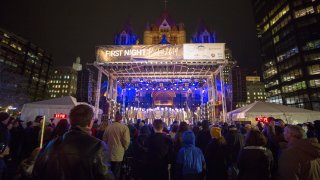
(206, 51)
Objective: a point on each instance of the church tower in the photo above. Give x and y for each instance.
(203, 34)
(126, 36)
(164, 31)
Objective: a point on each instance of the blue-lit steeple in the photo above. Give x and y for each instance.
(203, 34)
(126, 36)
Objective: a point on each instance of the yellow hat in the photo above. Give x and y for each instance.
(215, 132)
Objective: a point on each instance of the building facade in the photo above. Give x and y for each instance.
(164, 30)
(238, 88)
(21, 58)
(63, 82)
(289, 35)
(255, 89)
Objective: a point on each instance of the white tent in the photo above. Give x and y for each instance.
(290, 115)
(49, 107)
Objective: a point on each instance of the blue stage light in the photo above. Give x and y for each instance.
(177, 88)
(152, 88)
(183, 89)
(129, 89)
(159, 89)
(141, 89)
(147, 89)
(165, 88)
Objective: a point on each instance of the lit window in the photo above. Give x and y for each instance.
(314, 69)
(303, 12)
(279, 15)
(314, 83)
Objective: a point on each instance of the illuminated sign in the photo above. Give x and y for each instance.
(205, 51)
(263, 119)
(60, 116)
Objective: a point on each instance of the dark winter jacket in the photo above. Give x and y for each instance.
(301, 160)
(203, 139)
(235, 142)
(255, 162)
(216, 160)
(160, 154)
(76, 155)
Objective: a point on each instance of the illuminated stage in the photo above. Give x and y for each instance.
(187, 76)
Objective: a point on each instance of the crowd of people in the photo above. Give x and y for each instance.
(79, 148)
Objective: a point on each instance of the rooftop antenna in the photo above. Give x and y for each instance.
(165, 4)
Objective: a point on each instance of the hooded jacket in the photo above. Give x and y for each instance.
(190, 157)
(301, 160)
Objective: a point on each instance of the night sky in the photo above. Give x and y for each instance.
(70, 28)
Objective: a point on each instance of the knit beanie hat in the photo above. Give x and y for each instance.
(215, 132)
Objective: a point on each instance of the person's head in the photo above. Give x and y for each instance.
(4, 117)
(118, 117)
(280, 123)
(29, 123)
(16, 123)
(215, 132)
(38, 119)
(103, 126)
(183, 127)
(292, 132)
(174, 128)
(247, 127)
(61, 128)
(81, 115)
(188, 138)
(255, 138)
(205, 124)
(145, 130)
(157, 125)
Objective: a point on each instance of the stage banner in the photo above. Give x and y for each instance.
(214, 51)
(113, 53)
(139, 52)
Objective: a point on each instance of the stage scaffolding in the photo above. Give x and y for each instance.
(211, 71)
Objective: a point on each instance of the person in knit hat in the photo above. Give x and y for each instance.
(216, 156)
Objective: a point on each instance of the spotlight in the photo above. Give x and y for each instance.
(159, 89)
(165, 89)
(153, 89)
(129, 89)
(141, 89)
(147, 89)
(177, 88)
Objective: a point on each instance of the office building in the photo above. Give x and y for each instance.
(289, 35)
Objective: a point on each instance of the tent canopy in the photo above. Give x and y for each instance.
(49, 107)
(291, 115)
